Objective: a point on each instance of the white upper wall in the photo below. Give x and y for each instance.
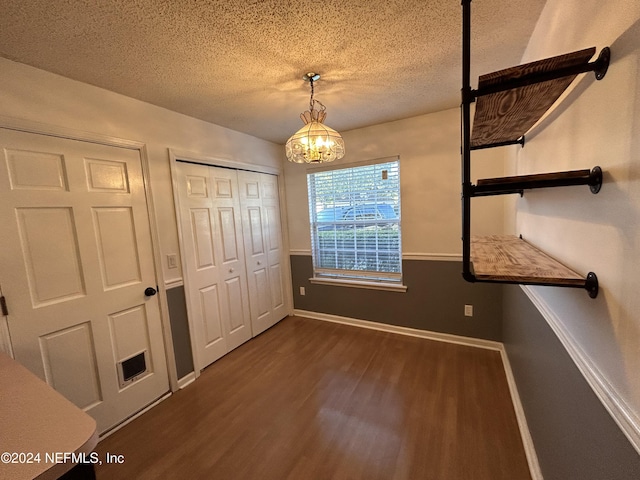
(597, 123)
(430, 183)
(31, 94)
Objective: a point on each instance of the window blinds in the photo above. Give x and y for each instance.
(355, 222)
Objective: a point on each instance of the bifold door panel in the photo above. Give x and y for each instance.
(214, 260)
(232, 242)
(263, 247)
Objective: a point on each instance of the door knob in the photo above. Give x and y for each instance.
(231, 270)
(150, 291)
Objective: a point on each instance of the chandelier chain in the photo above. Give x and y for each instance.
(313, 101)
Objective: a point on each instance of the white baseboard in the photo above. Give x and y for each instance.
(187, 380)
(613, 402)
(5, 338)
(413, 332)
(527, 441)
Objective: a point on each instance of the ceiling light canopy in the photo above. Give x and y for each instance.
(315, 142)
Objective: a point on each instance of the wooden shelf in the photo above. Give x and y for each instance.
(507, 258)
(508, 103)
(501, 185)
(505, 116)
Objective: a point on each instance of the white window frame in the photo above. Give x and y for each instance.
(354, 278)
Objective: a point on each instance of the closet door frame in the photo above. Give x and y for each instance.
(184, 156)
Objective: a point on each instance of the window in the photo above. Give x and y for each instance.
(355, 223)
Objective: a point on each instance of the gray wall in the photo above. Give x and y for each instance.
(574, 436)
(180, 330)
(434, 300)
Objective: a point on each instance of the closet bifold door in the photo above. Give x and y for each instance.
(215, 273)
(263, 248)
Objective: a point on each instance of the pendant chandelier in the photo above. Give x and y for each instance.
(315, 142)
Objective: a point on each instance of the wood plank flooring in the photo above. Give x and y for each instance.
(315, 400)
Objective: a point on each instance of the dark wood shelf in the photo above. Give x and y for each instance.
(506, 258)
(506, 115)
(516, 184)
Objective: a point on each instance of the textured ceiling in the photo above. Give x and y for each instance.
(239, 63)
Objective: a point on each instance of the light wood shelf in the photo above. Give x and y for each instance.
(511, 259)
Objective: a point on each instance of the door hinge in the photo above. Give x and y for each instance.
(3, 306)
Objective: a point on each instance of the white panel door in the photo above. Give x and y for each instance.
(76, 256)
(275, 252)
(214, 260)
(263, 247)
(232, 261)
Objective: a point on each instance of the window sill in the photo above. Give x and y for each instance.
(391, 287)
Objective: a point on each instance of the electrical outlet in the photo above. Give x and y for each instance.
(302, 291)
(468, 310)
(172, 260)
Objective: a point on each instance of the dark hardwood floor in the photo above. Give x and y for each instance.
(315, 400)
